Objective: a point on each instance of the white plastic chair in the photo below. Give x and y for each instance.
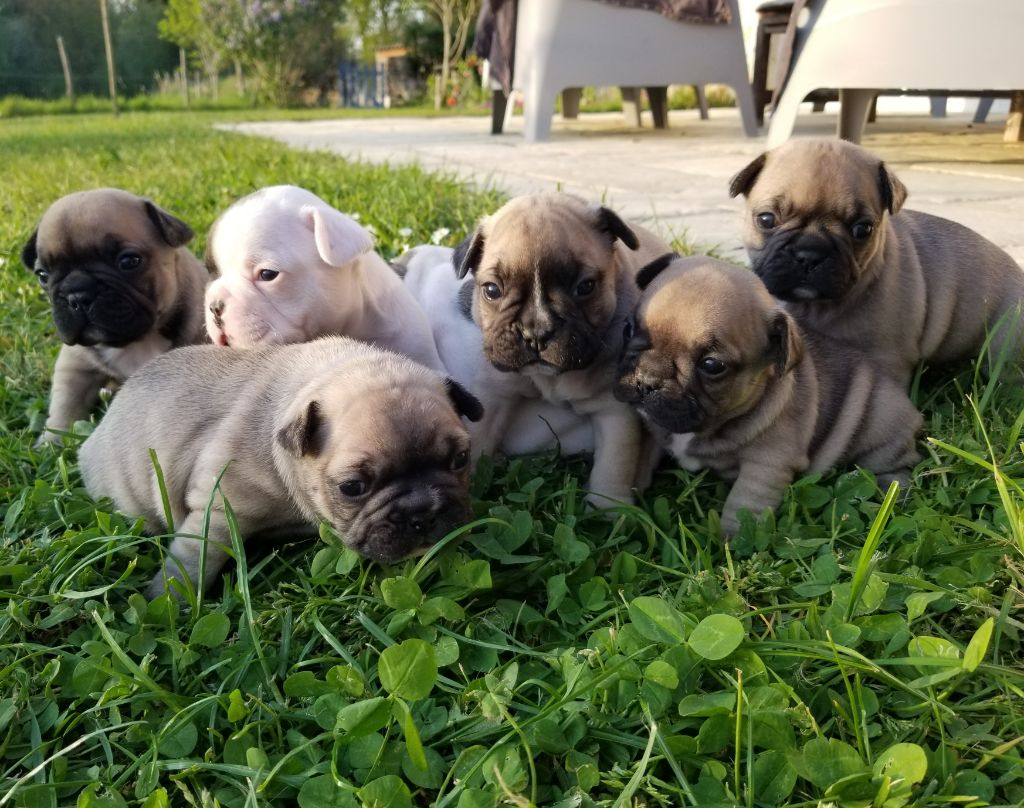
(862, 46)
(580, 43)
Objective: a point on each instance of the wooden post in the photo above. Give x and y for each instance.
(1015, 123)
(239, 77)
(183, 67)
(111, 76)
(69, 86)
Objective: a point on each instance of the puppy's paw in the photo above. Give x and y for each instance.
(167, 581)
(609, 499)
(48, 438)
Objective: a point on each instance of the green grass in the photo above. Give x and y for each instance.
(851, 649)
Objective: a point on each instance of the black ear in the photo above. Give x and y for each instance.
(28, 252)
(609, 222)
(468, 254)
(744, 181)
(465, 402)
(300, 436)
(173, 230)
(894, 192)
(785, 346)
(654, 269)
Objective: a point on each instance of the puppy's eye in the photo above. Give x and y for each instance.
(460, 460)
(128, 261)
(712, 367)
(43, 276)
(267, 274)
(586, 288)
(861, 230)
(766, 221)
(353, 488)
(491, 291)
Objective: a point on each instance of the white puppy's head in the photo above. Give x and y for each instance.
(281, 259)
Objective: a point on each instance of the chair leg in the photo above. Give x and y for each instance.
(745, 102)
(784, 117)
(853, 113)
(818, 105)
(658, 99)
(873, 110)
(984, 107)
(759, 85)
(571, 102)
(499, 101)
(702, 101)
(937, 105)
(631, 105)
(538, 109)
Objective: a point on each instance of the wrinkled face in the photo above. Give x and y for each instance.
(388, 468)
(705, 345)
(106, 259)
(272, 282)
(815, 217)
(546, 279)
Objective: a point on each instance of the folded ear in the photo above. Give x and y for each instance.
(28, 252)
(468, 253)
(654, 269)
(785, 345)
(340, 239)
(744, 181)
(171, 229)
(894, 192)
(608, 221)
(300, 436)
(466, 404)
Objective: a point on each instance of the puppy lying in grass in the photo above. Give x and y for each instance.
(331, 430)
(726, 380)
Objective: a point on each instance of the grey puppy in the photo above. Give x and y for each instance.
(725, 378)
(827, 233)
(333, 430)
(123, 289)
(553, 284)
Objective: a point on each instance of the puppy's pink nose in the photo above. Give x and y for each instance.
(217, 309)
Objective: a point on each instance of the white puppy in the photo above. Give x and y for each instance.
(291, 268)
(537, 424)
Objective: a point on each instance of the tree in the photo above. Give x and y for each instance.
(377, 22)
(457, 18)
(188, 24)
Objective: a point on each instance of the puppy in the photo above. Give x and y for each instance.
(536, 425)
(123, 289)
(292, 268)
(827, 233)
(332, 430)
(553, 284)
(722, 374)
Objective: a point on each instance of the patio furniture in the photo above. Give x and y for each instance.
(577, 43)
(863, 47)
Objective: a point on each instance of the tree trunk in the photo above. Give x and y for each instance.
(239, 77)
(446, 51)
(183, 67)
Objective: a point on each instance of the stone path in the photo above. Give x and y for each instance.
(676, 180)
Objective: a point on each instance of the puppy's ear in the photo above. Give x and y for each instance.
(654, 269)
(339, 238)
(301, 436)
(785, 345)
(894, 192)
(608, 221)
(171, 229)
(208, 259)
(465, 402)
(469, 253)
(28, 252)
(744, 181)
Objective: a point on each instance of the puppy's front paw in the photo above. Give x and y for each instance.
(609, 499)
(48, 438)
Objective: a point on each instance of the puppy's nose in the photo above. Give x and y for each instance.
(418, 522)
(537, 337)
(77, 301)
(217, 309)
(811, 254)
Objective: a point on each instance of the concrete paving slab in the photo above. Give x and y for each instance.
(676, 180)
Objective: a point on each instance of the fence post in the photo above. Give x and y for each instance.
(111, 77)
(183, 67)
(69, 86)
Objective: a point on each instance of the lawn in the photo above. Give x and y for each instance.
(853, 649)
